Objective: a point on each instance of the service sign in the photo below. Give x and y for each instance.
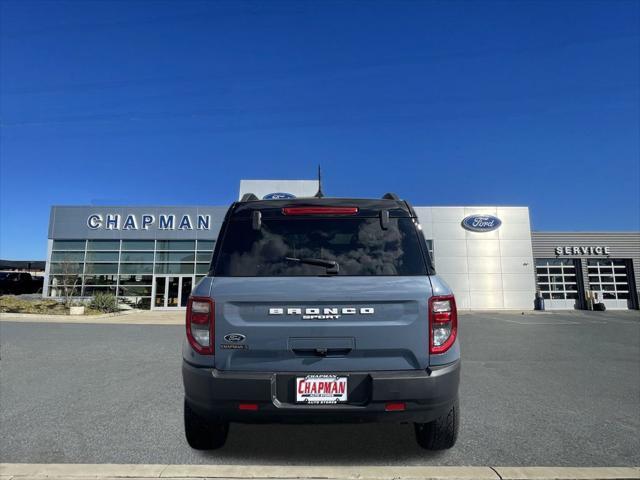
(584, 250)
(481, 223)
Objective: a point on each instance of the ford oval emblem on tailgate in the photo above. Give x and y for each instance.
(234, 337)
(481, 223)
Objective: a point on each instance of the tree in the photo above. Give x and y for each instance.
(68, 273)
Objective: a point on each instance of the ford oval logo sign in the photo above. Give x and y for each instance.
(481, 223)
(278, 196)
(234, 337)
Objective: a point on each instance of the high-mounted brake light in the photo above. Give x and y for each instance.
(201, 324)
(443, 323)
(319, 210)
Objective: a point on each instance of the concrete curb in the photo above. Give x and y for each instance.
(23, 471)
(121, 318)
(567, 473)
(34, 316)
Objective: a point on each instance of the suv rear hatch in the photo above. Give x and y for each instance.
(321, 288)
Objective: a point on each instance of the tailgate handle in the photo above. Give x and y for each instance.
(321, 346)
(322, 352)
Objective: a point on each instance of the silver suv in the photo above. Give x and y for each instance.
(321, 310)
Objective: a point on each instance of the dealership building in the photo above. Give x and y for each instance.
(151, 257)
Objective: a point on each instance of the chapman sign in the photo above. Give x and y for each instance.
(114, 221)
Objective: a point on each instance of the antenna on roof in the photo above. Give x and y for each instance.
(319, 194)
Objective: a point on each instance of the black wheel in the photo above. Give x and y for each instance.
(202, 433)
(442, 433)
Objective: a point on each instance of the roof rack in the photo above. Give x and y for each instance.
(249, 197)
(390, 196)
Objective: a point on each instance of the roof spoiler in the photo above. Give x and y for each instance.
(249, 197)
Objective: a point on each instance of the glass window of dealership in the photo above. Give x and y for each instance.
(151, 257)
(141, 273)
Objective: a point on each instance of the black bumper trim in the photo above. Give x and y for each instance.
(427, 394)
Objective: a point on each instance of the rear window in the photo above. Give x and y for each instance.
(360, 246)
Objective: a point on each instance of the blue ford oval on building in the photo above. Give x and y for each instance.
(278, 196)
(481, 223)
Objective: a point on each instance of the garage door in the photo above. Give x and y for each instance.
(610, 279)
(557, 282)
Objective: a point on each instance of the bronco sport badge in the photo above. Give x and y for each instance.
(316, 313)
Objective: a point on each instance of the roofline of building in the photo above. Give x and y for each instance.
(603, 232)
(141, 206)
(482, 205)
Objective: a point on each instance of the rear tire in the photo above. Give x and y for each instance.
(202, 433)
(441, 433)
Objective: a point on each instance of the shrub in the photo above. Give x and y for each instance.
(104, 302)
(13, 304)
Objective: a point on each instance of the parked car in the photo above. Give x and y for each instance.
(17, 283)
(321, 310)
(37, 283)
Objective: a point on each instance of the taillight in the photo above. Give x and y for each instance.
(319, 210)
(201, 324)
(443, 323)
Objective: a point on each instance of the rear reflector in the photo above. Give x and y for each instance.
(252, 407)
(319, 210)
(395, 406)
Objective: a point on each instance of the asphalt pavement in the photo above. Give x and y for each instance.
(537, 389)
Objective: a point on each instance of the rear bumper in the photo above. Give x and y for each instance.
(216, 394)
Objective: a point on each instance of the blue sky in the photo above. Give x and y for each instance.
(446, 103)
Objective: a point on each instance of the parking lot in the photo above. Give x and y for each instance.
(537, 389)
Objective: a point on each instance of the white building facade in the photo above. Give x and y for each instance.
(151, 257)
(486, 270)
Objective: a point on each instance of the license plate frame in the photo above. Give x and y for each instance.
(322, 389)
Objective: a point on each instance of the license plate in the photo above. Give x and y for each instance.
(321, 389)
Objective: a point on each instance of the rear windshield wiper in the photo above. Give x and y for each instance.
(331, 265)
